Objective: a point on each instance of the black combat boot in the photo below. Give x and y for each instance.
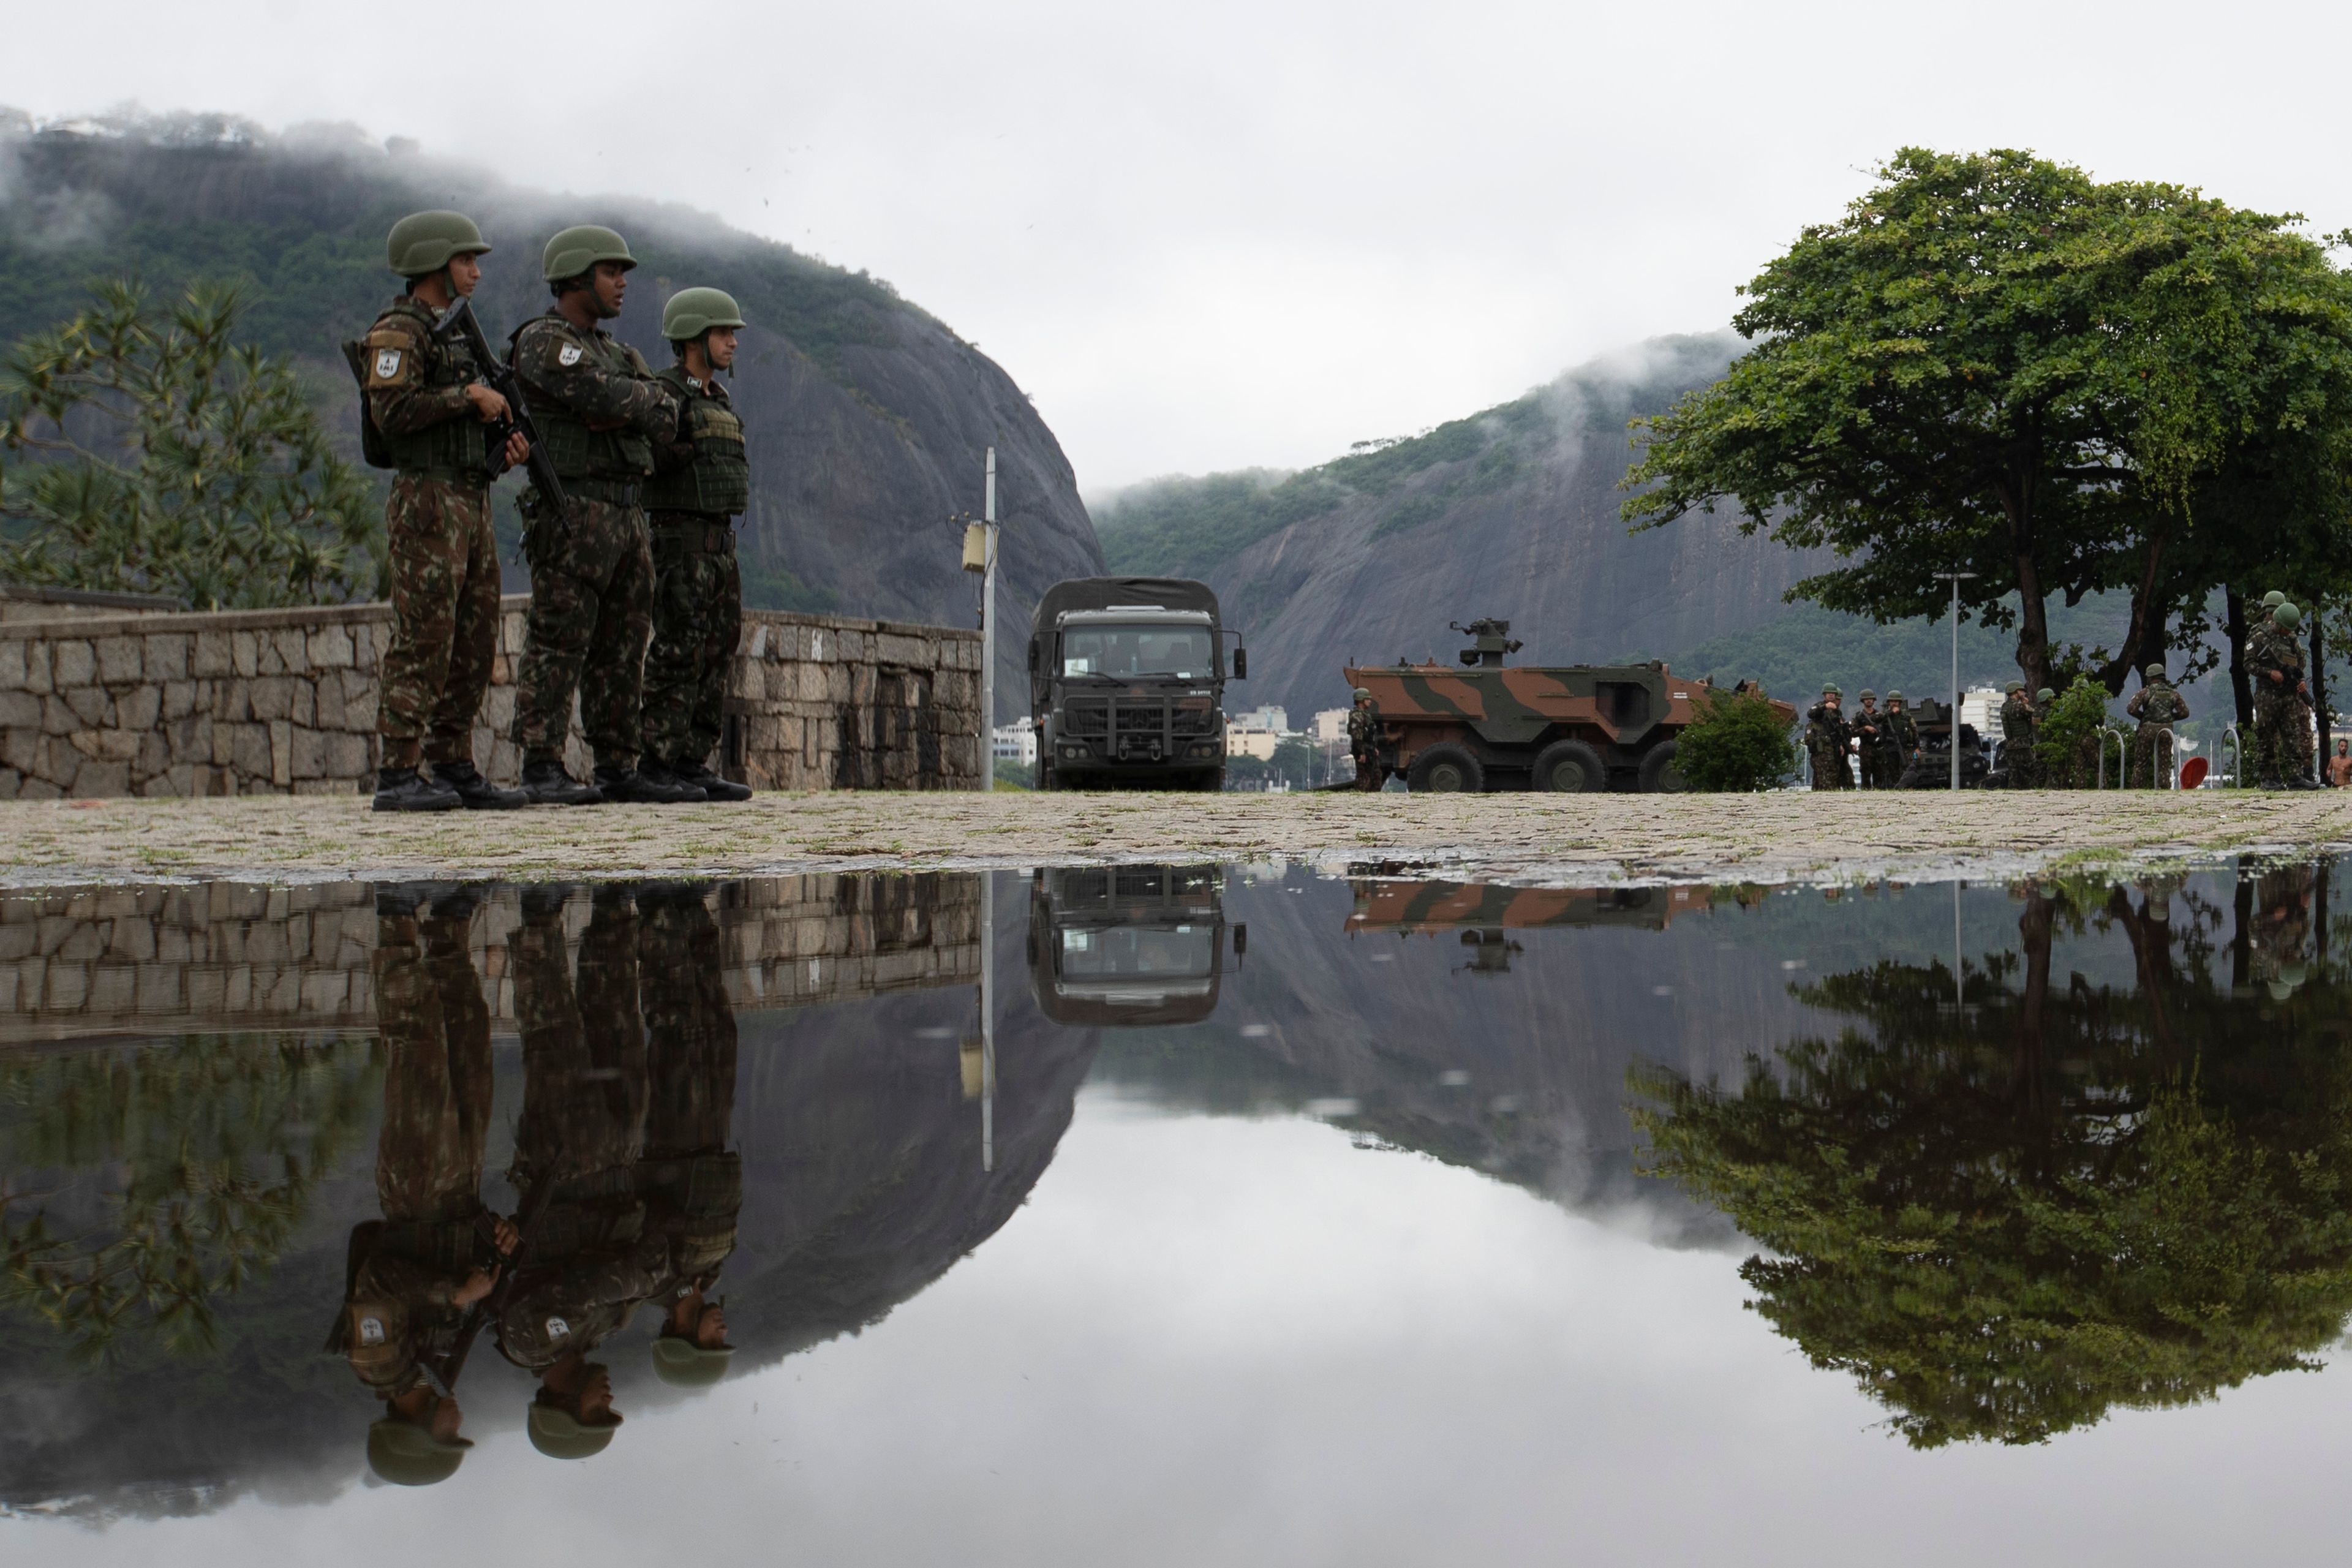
(546, 784)
(544, 901)
(459, 902)
(477, 793)
(406, 789)
(713, 786)
(401, 901)
(618, 782)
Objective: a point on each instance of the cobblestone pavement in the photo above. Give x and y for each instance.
(1560, 839)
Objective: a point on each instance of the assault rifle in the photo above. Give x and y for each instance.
(458, 321)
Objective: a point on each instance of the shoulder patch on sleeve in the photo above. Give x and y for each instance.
(391, 364)
(568, 355)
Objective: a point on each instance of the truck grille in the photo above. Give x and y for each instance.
(1086, 718)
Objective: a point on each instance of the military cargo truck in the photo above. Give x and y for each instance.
(1565, 728)
(1127, 684)
(1125, 945)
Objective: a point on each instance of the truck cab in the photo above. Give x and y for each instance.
(1127, 685)
(1126, 945)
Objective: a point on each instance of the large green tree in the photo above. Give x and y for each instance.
(1994, 364)
(144, 450)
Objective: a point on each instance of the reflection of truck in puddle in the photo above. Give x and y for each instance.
(1482, 912)
(1129, 944)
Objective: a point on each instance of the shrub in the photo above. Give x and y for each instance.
(2068, 745)
(1738, 743)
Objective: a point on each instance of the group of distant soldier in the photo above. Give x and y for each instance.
(635, 600)
(631, 1188)
(1881, 741)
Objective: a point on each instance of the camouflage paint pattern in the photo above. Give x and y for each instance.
(691, 1182)
(592, 579)
(443, 569)
(697, 621)
(2158, 708)
(1415, 906)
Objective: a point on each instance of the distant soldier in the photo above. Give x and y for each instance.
(701, 482)
(2158, 708)
(1867, 725)
(427, 416)
(2019, 729)
(1898, 741)
(599, 410)
(2274, 658)
(414, 1274)
(1825, 742)
(1364, 741)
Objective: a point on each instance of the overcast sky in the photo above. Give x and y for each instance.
(1232, 233)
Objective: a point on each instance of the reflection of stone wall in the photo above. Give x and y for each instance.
(227, 956)
(284, 701)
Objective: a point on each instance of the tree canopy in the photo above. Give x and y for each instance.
(1994, 364)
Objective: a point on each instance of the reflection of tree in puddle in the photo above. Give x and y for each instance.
(192, 1164)
(2008, 1216)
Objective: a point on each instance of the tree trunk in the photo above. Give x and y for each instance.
(2143, 642)
(2241, 684)
(2016, 491)
(2319, 687)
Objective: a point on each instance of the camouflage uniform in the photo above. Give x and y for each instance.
(1898, 742)
(2020, 727)
(701, 482)
(592, 568)
(1825, 742)
(399, 1310)
(1364, 747)
(2278, 706)
(1868, 727)
(692, 1183)
(582, 1127)
(2158, 708)
(443, 559)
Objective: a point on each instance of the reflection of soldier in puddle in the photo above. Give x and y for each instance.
(414, 1274)
(583, 1130)
(692, 1183)
(2281, 928)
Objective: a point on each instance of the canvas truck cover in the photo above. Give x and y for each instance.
(1102, 592)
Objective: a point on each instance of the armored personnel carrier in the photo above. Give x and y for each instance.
(1566, 728)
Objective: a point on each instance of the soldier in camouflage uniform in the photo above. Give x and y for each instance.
(1898, 741)
(2274, 658)
(436, 1251)
(701, 482)
(427, 413)
(690, 1179)
(583, 1130)
(2158, 708)
(2019, 728)
(1364, 741)
(1825, 742)
(1867, 727)
(599, 410)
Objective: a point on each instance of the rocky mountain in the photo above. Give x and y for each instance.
(867, 417)
(1509, 512)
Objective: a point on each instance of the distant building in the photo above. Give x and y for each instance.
(1274, 720)
(1981, 706)
(1014, 743)
(1330, 726)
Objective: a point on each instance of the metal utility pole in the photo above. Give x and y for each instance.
(988, 629)
(988, 1004)
(1956, 578)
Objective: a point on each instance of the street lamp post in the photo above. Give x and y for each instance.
(1956, 578)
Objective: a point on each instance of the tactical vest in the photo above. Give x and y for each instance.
(719, 480)
(457, 445)
(621, 455)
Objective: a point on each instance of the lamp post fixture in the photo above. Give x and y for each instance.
(1956, 578)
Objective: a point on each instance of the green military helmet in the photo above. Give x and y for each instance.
(694, 312)
(1831, 691)
(576, 249)
(422, 243)
(682, 1363)
(2045, 695)
(1868, 695)
(1362, 694)
(1893, 696)
(559, 1434)
(2153, 672)
(407, 1455)
(2286, 617)
(2273, 599)
(2014, 687)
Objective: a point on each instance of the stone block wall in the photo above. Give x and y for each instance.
(284, 701)
(112, 963)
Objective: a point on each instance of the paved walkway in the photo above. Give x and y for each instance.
(1561, 838)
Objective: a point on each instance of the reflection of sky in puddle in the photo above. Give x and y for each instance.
(1221, 1330)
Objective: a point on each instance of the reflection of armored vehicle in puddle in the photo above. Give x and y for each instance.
(1566, 728)
(1483, 913)
(1129, 944)
(1127, 684)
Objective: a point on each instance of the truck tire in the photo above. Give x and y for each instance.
(1570, 767)
(1044, 777)
(1446, 768)
(1659, 775)
(1208, 781)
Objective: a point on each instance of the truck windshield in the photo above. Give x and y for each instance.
(1187, 653)
(1130, 953)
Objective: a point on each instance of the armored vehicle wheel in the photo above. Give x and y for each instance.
(1570, 767)
(1446, 768)
(1659, 775)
